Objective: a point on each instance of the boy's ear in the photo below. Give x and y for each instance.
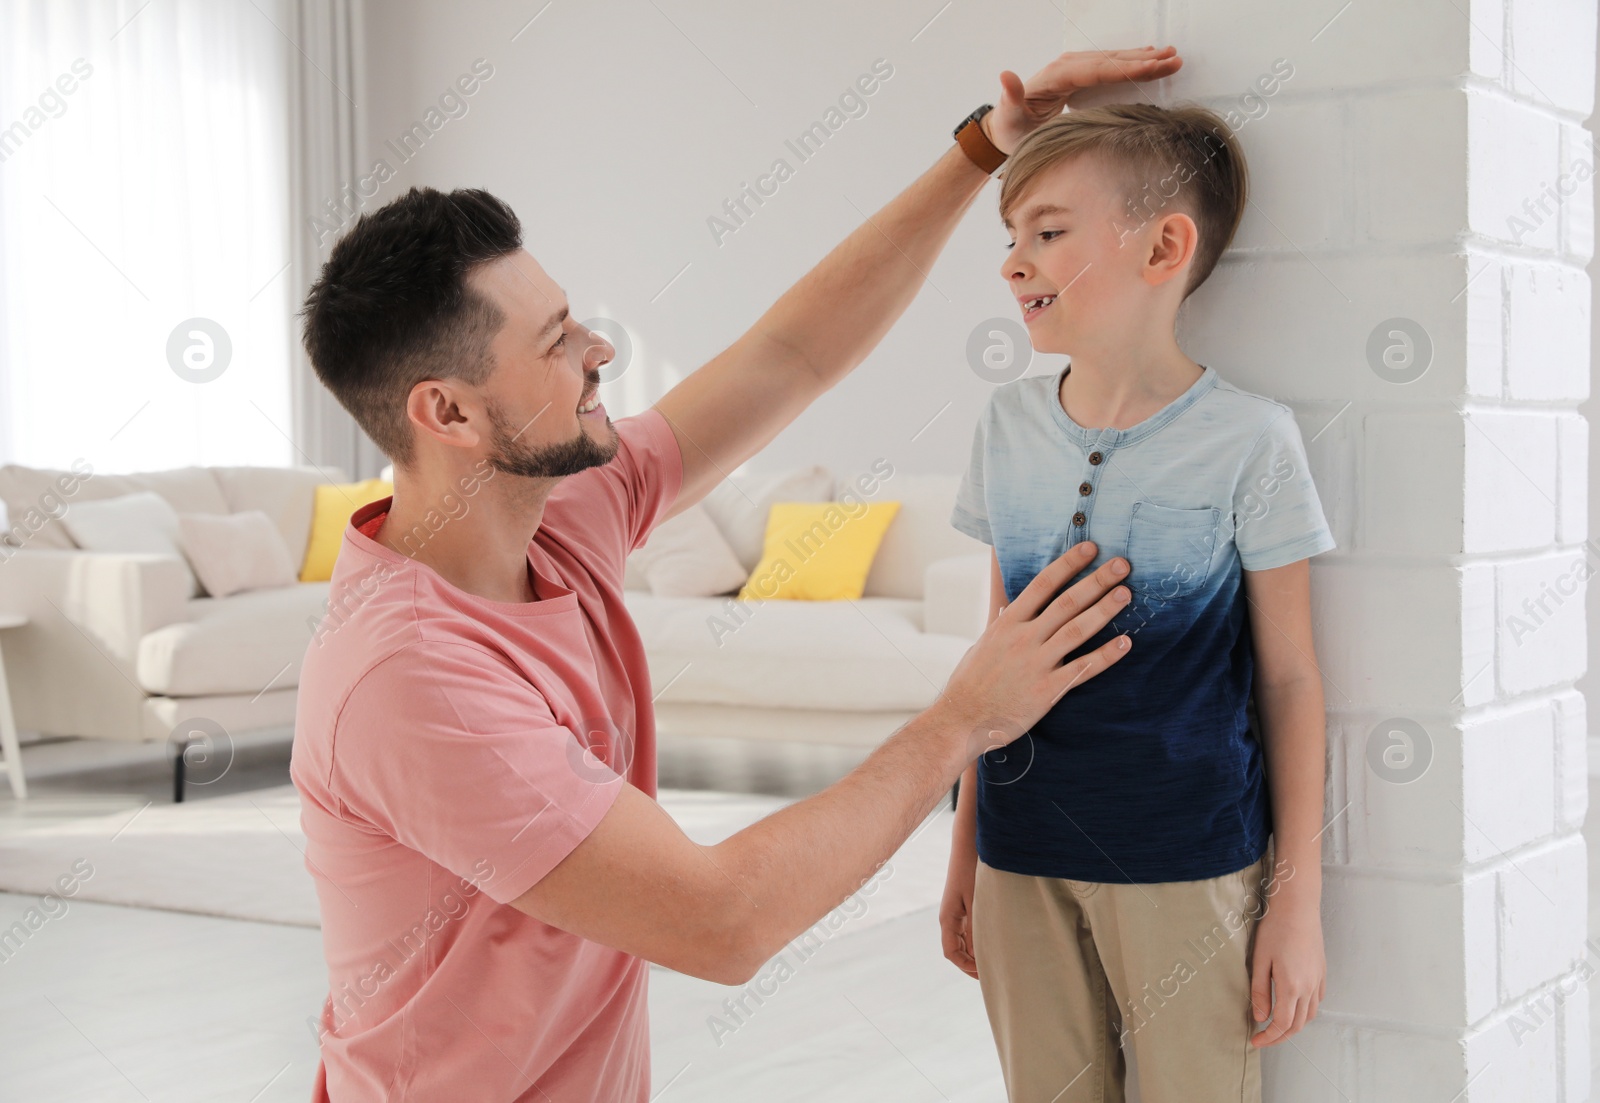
(1173, 241)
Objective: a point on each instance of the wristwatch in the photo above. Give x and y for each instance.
(976, 144)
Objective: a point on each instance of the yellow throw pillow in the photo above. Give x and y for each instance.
(818, 551)
(334, 505)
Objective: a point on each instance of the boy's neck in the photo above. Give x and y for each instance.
(1119, 394)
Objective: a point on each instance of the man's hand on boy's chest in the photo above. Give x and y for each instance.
(1173, 550)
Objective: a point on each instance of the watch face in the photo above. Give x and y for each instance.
(972, 118)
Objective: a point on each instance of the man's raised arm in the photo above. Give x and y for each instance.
(826, 324)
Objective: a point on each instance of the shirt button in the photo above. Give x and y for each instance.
(1078, 518)
(1084, 488)
(1095, 457)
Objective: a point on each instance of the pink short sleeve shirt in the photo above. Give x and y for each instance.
(449, 752)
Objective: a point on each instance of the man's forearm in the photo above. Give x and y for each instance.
(837, 313)
(803, 860)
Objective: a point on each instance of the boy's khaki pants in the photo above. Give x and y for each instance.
(1068, 968)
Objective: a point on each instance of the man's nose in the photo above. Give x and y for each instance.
(596, 350)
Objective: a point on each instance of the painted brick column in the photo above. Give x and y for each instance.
(1410, 277)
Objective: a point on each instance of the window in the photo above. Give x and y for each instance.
(144, 183)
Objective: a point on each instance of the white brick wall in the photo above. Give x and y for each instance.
(1408, 169)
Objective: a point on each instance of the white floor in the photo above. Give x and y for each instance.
(113, 1003)
(110, 1003)
(124, 1004)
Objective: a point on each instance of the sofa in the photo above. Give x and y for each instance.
(845, 673)
(117, 647)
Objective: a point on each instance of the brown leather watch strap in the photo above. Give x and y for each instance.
(979, 150)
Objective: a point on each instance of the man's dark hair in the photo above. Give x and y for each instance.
(392, 306)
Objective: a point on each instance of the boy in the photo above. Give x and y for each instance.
(1110, 873)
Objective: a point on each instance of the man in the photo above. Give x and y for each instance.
(474, 745)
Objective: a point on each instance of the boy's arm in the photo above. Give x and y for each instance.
(966, 825)
(955, 909)
(1289, 706)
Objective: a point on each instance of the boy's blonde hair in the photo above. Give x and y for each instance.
(1183, 157)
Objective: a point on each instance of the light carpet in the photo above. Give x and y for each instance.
(243, 857)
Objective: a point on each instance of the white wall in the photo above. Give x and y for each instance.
(1589, 408)
(616, 137)
(1388, 173)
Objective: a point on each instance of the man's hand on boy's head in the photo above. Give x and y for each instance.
(1023, 108)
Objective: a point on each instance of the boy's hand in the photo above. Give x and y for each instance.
(955, 911)
(1289, 958)
(1023, 108)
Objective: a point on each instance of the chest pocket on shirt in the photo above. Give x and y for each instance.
(1170, 549)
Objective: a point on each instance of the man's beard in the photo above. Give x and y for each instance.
(550, 461)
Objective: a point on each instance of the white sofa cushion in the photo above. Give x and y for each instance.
(285, 494)
(29, 489)
(868, 655)
(955, 596)
(687, 556)
(921, 534)
(235, 552)
(139, 523)
(739, 505)
(237, 644)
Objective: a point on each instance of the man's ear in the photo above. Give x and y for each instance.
(447, 412)
(1173, 241)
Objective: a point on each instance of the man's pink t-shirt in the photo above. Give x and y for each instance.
(438, 758)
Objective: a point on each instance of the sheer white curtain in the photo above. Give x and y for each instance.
(144, 182)
(325, 160)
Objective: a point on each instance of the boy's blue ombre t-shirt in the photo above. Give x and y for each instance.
(1150, 771)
